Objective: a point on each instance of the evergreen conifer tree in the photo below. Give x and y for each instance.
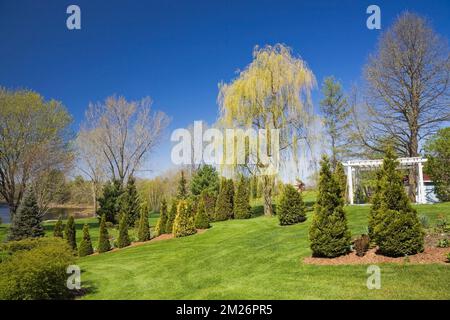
(224, 205)
(110, 202)
(171, 215)
(124, 239)
(130, 202)
(242, 208)
(27, 222)
(70, 233)
(162, 221)
(393, 222)
(144, 227)
(201, 217)
(103, 242)
(328, 234)
(184, 221)
(85, 248)
(291, 208)
(58, 230)
(182, 192)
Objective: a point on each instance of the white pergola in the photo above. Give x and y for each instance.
(404, 163)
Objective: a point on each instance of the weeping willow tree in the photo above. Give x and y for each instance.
(272, 92)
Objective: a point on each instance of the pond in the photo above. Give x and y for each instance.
(53, 213)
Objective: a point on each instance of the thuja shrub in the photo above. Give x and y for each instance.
(184, 221)
(85, 247)
(103, 240)
(328, 234)
(171, 215)
(162, 221)
(36, 271)
(361, 245)
(242, 208)
(393, 222)
(291, 208)
(201, 217)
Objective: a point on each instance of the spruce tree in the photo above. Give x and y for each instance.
(144, 227)
(124, 239)
(393, 222)
(184, 222)
(201, 217)
(27, 222)
(291, 208)
(103, 242)
(58, 230)
(110, 202)
(130, 202)
(328, 234)
(224, 205)
(171, 215)
(85, 248)
(182, 192)
(162, 221)
(70, 233)
(242, 208)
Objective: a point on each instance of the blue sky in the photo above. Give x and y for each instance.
(178, 51)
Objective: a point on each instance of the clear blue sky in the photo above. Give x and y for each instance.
(178, 51)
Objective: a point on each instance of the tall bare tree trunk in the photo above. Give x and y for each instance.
(267, 190)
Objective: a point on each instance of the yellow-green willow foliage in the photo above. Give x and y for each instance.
(273, 92)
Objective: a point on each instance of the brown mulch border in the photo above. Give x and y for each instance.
(158, 238)
(428, 256)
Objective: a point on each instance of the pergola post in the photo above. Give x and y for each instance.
(421, 185)
(350, 184)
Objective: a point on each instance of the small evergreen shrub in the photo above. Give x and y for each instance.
(224, 206)
(124, 239)
(162, 221)
(242, 208)
(184, 222)
(201, 217)
(172, 215)
(291, 208)
(36, 271)
(144, 227)
(103, 241)
(209, 200)
(85, 248)
(70, 233)
(394, 224)
(58, 230)
(27, 221)
(361, 245)
(328, 234)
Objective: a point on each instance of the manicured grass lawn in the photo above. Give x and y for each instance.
(254, 259)
(249, 259)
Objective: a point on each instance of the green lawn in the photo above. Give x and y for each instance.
(254, 259)
(251, 259)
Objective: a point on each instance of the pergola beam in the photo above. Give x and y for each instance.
(373, 164)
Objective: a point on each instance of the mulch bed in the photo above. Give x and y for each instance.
(158, 238)
(428, 256)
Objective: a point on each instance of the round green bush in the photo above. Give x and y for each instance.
(36, 271)
(291, 209)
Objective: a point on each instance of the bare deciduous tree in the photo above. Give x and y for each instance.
(125, 133)
(408, 88)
